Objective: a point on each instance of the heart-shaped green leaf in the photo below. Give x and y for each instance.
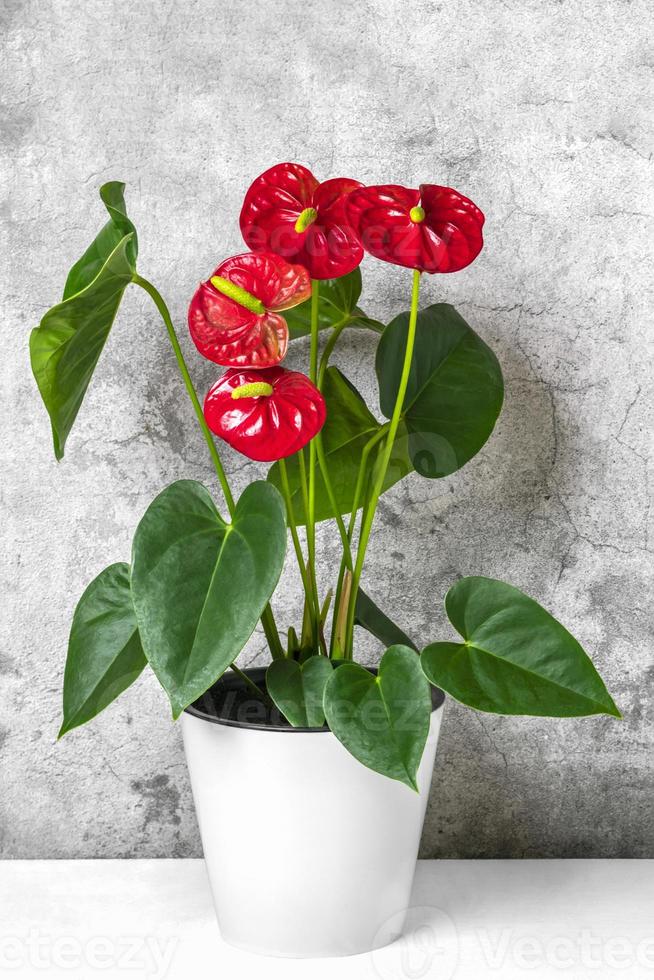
(200, 585)
(337, 305)
(104, 650)
(297, 689)
(65, 347)
(370, 617)
(455, 388)
(382, 720)
(347, 429)
(516, 658)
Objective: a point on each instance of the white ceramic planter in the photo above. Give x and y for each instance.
(308, 852)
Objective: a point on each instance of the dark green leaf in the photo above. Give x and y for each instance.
(359, 320)
(200, 585)
(297, 689)
(371, 618)
(455, 388)
(110, 235)
(65, 347)
(336, 306)
(104, 650)
(348, 428)
(516, 658)
(382, 720)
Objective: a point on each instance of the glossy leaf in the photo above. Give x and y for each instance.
(66, 346)
(516, 658)
(382, 720)
(110, 235)
(200, 585)
(370, 617)
(297, 689)
(104, 650)
(455, 389)
(347, 429)
(337, 304)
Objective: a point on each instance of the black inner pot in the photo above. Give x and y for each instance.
(231, 702)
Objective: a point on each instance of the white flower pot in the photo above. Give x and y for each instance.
(308, 852)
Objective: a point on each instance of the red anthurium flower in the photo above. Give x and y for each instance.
(267, 414)
(433, 229)
(287, 211)
(234, 316)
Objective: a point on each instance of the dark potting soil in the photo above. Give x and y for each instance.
(233, 703)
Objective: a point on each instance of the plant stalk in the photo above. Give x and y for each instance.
(206, 431)
(313, 376)
(337, 330)
(309, 488)
(324, 469)
(286, 490)
(249, 683)
(378, 485)
(363, 465)
(267, 617)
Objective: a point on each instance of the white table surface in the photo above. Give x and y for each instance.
(153, 920)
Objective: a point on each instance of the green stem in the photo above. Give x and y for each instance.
(309, 487)
(249, 683)
(337, 330)
(315, 306)
(363, 466)
(304, 484)
(322, 459)
(267, 618)
(324, 469)
(165, 316)
(272, 633)
(369, 514)
(286, 490)
(315, 603)
(313, 375)
(362, 474)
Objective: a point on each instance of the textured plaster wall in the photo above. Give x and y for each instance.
(541, 112)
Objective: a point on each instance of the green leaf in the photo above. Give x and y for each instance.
(347, 429)
(516, 658)
(382, 720)
(297, 689)
(455, 389)
(104, 650)
(200, 585)
(110, 235)
(370, 617)
(66, 346)
(360, 321)
(336, 306)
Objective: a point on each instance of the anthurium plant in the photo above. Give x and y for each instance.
(203, 571)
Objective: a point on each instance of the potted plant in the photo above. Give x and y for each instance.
(310, 777)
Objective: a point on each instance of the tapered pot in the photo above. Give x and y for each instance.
(309, 853)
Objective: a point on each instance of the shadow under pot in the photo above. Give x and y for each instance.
(309, 853)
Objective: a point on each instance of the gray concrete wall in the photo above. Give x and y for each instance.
(541, 112)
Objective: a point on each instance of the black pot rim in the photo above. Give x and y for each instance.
(232, 682)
